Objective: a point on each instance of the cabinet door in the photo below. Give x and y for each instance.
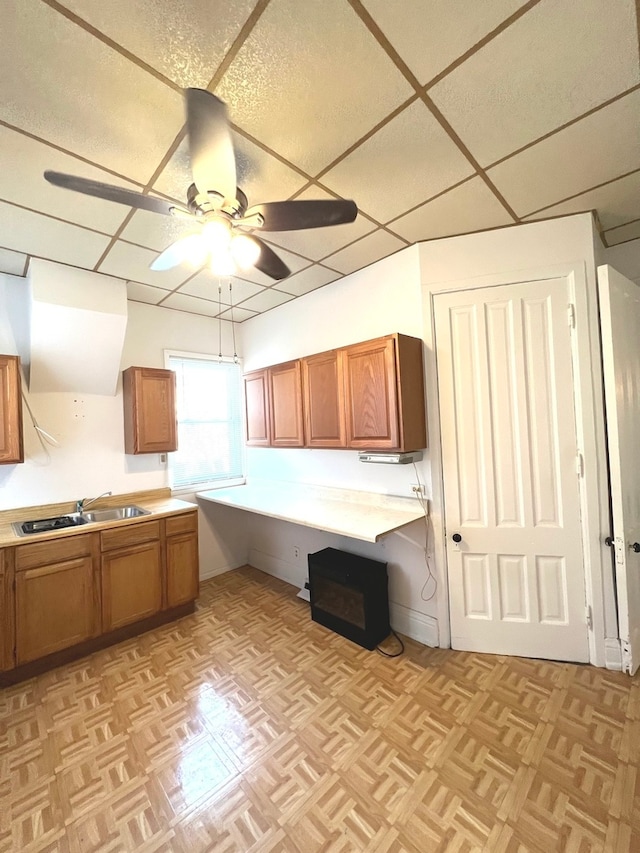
(11, 446)
(285, 392)
(371, 398)
(149, 410)
(6, 613)
(182, 569)
(54, 608)
(323, 400)
(256, 403)
(131, 585)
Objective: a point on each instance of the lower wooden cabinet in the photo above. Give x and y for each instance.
(70, 589)
(55, 605)
(181, 551)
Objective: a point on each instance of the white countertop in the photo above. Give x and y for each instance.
(362, 515)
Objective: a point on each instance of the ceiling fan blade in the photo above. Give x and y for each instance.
(295, 215)
(191, 248)
(109, 192)
(212, 159)
(268, 262)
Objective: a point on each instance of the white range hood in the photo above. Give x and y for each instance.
(77, 324)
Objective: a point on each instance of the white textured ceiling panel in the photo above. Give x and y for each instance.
(192, 304)
(186, 40)
(431, 34)
(155, 231)
(414, 137)
(137, 292)
(470, 207)
(553, 64)
(311, 80)
(205, 286)
(307, 280)
(599, 148)
(43, 237)
(13, 263)
(132, 262)
(624, 233)
(62, 84)
(237, 315)
(266, 300)
(294, 262)
(616, 202)
(371, 248)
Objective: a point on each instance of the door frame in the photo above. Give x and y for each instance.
(590, 436)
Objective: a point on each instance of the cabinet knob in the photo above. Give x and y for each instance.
(457, 538)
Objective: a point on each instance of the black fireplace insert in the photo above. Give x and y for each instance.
(349, 594)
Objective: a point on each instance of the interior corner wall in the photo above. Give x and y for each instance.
(90, 428)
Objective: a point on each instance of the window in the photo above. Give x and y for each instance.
(209, 404)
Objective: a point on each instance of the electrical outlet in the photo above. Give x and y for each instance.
(418, 489)
(296, 552)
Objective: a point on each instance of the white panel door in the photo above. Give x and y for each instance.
(511, 491)
(620, 331)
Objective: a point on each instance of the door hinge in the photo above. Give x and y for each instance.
(580, 464)
(571, 311)
(589, 612)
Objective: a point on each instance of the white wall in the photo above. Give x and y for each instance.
(89, 427)
(375, 301)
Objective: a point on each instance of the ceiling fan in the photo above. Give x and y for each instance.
(225, 223)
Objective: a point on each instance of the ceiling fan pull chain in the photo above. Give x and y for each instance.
(219, 320)
(233, 328)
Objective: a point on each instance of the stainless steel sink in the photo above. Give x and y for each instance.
(75, 519)
(115, 513)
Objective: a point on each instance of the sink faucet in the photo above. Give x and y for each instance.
(83, 502)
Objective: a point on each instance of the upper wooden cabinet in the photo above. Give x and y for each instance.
(150, 424)
(368, 396)
(384, 394)
(11, 446)
(285, 405)
(273, 406)
(323, 400)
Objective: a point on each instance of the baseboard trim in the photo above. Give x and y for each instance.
(277, 568)
(613, 654)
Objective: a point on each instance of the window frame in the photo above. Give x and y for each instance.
(194, 488)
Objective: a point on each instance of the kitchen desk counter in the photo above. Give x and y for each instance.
(361, 515)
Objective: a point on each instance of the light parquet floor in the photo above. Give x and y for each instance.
(246, 728)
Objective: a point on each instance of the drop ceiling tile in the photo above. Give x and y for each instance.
(132, 262)
(616, 203)
(631, 231)
(64, 85)
(302, 83)
(192, 304)
(155, 231)
(470, 207)
(265, 300)
(307, 280)
(185, 41)
(407, 161)
(317, 243)
(137, 292)
(238, 315)
(23, 183)
(453, 26)
(13, 263)
(596, 149)
(205, 286)
(294, 262)
(625, 257)
(43, 237)
(366, 251)
(553, 64)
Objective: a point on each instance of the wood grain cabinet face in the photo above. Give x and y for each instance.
(150, 424)
(11, 442)
(183, 582)
(256, 403)
(56, 599)
(371, 395)
(323, 400)
(285, 405)
(7, 636)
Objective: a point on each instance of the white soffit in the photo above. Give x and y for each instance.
(78, 324)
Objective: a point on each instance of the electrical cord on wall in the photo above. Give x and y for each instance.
(431, 578)
(42, 434)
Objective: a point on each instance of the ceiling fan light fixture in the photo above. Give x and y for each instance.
(244, 251)
(222, 263)
(217, 235)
